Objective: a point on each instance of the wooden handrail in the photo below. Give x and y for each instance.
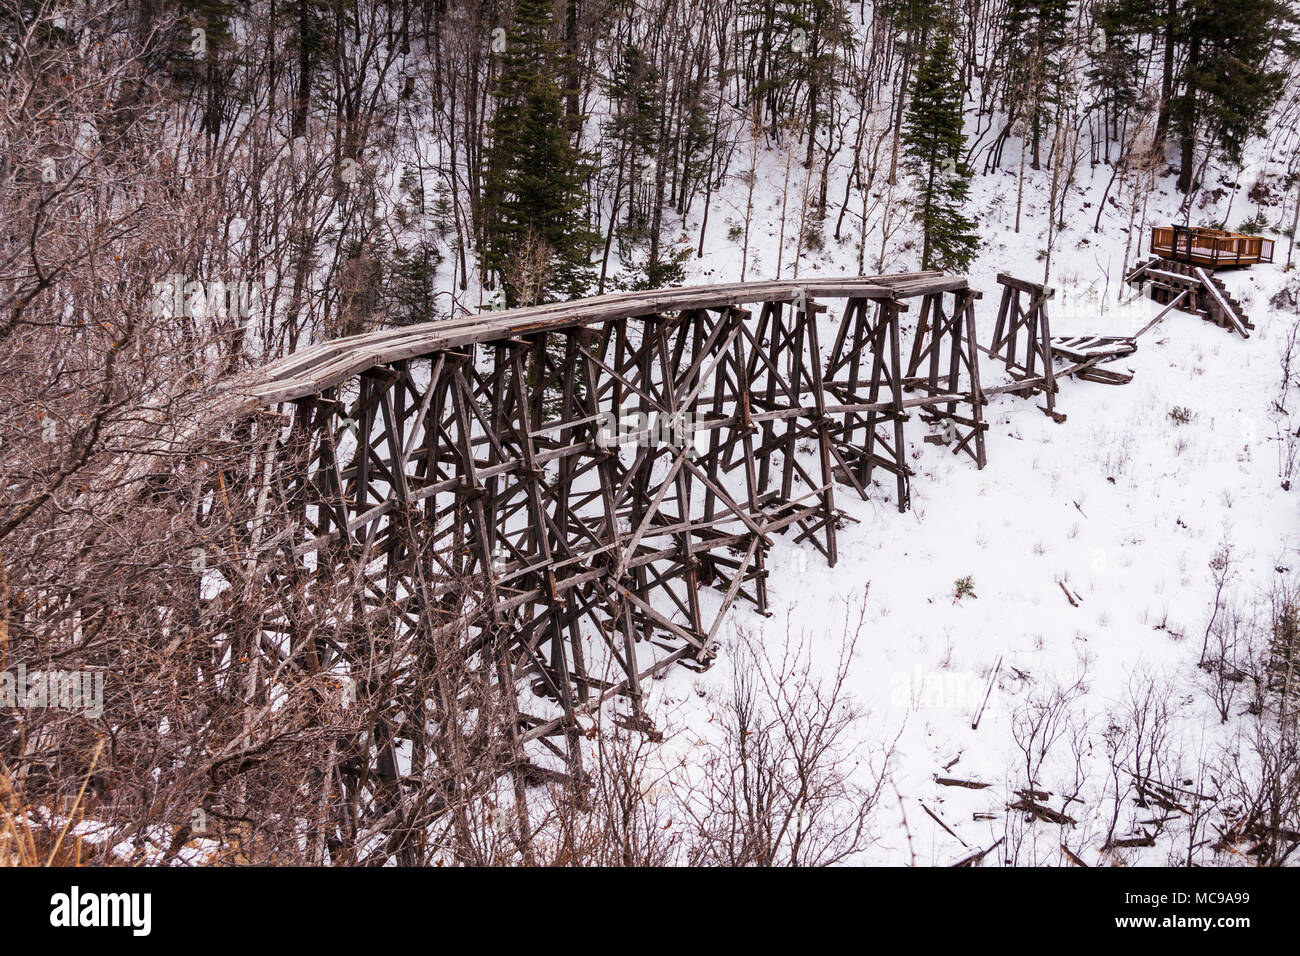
(1211, 247)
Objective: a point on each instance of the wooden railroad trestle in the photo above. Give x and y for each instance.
(1023, 309)
(587, 471)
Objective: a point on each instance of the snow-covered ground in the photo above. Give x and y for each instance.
(1123, 504)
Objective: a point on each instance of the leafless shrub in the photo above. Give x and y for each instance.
(1231, 640)
(1287, 423)
(630, 813)
(1146, 712)
(530, 271)
(1261, 770)
(1046, 716)
(1221, 571)
(1040, 721)
(1198, 803)
(787, 785)
(1077, 833)
(1261, 777)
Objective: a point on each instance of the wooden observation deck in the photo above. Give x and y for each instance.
(1209, 247)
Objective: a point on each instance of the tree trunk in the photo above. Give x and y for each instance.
(1167, 74)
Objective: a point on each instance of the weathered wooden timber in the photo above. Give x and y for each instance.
(590, 469)
(1035, 371)
(1024, 309)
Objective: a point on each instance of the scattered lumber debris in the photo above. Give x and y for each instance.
(1087, 352)
(1084, 348)
(1105, 376)
(1166, 796)
(1146, 839)
(1034, 794)
(968, 784)
(1267, 840)
(1150, 794)
(1157, 821)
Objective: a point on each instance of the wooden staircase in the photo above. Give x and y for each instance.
(1191, 288)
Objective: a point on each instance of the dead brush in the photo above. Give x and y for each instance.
(28, 834)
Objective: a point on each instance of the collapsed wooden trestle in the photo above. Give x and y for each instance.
(589, 470)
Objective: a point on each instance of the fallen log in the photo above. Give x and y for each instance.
(1072, 858)
(935, 817)
(976, 857)
(1131, 842)
(1105, 376)
(1038, 811)
(1034, 794)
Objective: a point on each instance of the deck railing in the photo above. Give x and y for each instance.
(1209, 247)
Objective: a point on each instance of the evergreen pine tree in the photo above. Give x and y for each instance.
(533, 194)
(1228, 83)
(799, 46)
(312, 26)
(933, 141)
(411, 266)
(1033, 36)
(1116, 67)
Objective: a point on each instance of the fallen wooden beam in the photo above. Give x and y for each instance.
(975, 724)
(1041, 812)
(1229, 312)
(1104, 376)
(1131, 842)
(935, 817)
(1163, 312)
(976, 857)
(1069, 855)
